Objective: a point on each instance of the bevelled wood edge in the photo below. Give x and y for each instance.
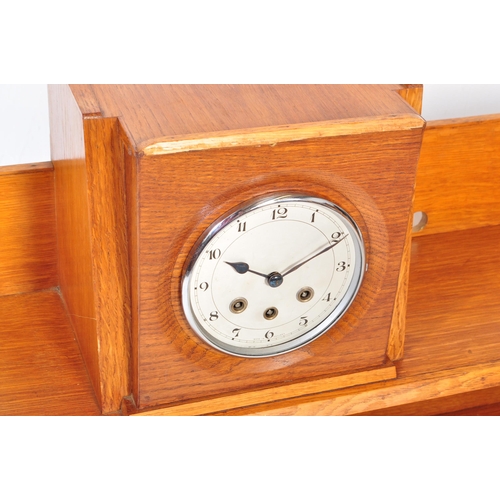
(423, 388)
(273, 135)
(395, 346)
(26, 168)
(276, 393)
(413, 94)
(87, 100)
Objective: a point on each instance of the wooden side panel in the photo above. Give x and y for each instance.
(457, 172)
(108, 224)
(92, 240)
(73, 223)
(413, 94)
(27, 229)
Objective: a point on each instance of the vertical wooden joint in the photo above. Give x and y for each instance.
(413, 95)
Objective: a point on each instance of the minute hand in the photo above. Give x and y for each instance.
(300, 264)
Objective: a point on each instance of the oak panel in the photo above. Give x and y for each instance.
(181, 194)
(452, 342)
(27, 229)
(73, 223)
(41, 368)
(110, 266)
(457, 179)
(167, 111)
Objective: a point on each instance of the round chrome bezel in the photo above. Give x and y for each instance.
(308, 336)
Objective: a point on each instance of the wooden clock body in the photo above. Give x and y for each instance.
(156, 165)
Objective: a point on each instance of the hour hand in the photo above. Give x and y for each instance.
(243, 267)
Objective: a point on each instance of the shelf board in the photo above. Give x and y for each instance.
(451, 361)
(41, 368)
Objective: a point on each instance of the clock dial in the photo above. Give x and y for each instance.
(273, 275)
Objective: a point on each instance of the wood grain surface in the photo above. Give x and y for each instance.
(73, 224)
(167, 111)
(109, 253)
(180, 195)
(203, 149)
(28, 259)
(92, 234)
(452, 355)
(457, 176)
(413, 94)
(452, 342)
(41, 368)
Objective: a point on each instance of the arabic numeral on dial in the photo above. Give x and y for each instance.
(280, 213)
(236, 333)
(214, 254)
(336, 236)
(204, 286)
(214, 315)
(242, 227)
(328, 297)
(303, 321)
(269, 335)
(341, 267)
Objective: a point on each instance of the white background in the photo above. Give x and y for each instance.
(24, 124)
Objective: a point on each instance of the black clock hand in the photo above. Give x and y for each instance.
(242, 268)
(300, 264)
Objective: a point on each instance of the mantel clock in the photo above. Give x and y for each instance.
(237, 244)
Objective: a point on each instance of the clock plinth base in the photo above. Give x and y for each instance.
(283, 392)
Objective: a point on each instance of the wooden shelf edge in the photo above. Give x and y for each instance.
(26, 168)
(385, 395)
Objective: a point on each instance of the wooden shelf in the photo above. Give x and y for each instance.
(451, 362)
(41, 368)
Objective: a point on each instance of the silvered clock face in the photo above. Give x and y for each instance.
(273, 275)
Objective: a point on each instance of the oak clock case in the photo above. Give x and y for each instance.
(273, 275)
(178, 361)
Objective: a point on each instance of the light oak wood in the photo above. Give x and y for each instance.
(92, 240)
(166, 344)
(269, 136)
(458, 168)
(110, 266)
(41, 368)
(27, 229)
(413, 94)
(73, 224)
(201, 111)
(451, 354)
(452, 343)
(188, 137)
(277, 393)
(395, 346)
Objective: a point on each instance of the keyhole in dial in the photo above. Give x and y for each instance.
(305, 294)
(238, 305)
(271, 313)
